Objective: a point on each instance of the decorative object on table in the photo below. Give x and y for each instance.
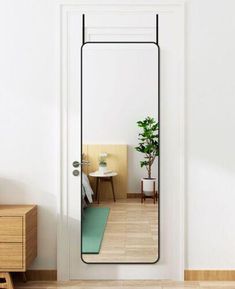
(149, 146)
(100, 177)
(102, 163)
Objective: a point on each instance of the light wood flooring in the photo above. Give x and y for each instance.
(127, 284)
(131, 233)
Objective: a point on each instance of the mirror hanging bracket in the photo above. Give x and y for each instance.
(84, 40)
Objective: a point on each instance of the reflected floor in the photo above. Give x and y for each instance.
(131, 233)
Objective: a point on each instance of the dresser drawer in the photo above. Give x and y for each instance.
(11, 229)
(11, 255)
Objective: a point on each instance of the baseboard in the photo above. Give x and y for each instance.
(36, 275)
(41, 275)
(209, 275)
(189, 275)
(133, 195)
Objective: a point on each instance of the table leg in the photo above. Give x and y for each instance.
(96, 188)
(142, 193)
(7, 281)
(97, 191)
(111, 179)
(24, 277)
(154, 193)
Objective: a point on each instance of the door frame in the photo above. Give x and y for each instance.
(62, 87)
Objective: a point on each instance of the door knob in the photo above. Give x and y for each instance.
(75, 173)
(76, 164)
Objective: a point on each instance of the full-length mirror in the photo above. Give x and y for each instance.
(120, 149)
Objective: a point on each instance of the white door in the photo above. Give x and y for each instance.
(123, 22)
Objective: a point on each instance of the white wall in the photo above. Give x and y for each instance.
(28, 124)
(29, 129)
(210, 124)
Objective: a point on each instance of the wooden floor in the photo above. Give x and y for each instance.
(131, 284)
(131, 234)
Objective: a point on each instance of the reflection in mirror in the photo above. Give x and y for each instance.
(120, 142)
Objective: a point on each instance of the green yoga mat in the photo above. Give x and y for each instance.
(93, 226)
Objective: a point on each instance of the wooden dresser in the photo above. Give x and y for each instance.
(18, 240)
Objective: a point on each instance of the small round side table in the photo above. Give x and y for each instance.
(103, 178)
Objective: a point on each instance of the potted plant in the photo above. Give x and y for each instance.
(102, 163)
(149, 146)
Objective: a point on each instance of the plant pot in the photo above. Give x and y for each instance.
(148, 186)
(102, 169)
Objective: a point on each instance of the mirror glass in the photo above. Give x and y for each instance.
(120, 151)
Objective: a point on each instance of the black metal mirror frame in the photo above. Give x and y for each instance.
(122, 42)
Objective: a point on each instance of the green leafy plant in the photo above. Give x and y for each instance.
(102, 161)
(148, 142)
